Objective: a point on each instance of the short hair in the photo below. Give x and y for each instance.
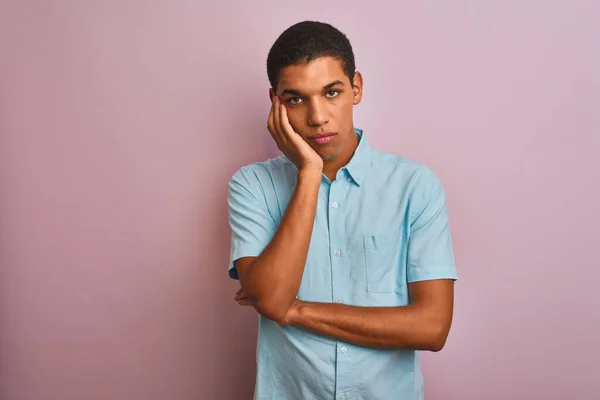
(306, 41)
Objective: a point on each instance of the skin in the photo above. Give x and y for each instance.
(317, 99)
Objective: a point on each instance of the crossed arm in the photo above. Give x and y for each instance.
(422, 325)
(270, 282)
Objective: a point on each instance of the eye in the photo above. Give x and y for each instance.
(333, 93)
(295, 100)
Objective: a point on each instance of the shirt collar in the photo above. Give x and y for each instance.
(361, 160)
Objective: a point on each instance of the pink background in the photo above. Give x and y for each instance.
(121, 123)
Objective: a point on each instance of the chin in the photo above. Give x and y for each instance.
(329, 156)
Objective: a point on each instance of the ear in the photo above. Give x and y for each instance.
(357, 88)
(271, 94)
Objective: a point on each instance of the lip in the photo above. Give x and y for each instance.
(323, 139)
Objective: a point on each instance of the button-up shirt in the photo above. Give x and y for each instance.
(380, 225)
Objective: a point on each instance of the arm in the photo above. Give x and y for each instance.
(422, 325)
(272, 279)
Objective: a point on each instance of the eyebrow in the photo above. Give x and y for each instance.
(295, 92)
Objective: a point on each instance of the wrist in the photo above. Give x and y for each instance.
(295, 313)
(310, 175)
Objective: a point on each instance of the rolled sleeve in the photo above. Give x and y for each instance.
(252, 227)
(430, 253)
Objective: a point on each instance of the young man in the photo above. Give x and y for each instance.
(343, 250)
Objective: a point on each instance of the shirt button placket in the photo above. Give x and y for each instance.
(338, 248)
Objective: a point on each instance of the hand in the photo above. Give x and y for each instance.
(290, 317)
(242, 299)
(290, 142)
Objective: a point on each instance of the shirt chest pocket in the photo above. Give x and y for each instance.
(385, 262)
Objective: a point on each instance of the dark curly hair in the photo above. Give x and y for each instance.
(306, 41)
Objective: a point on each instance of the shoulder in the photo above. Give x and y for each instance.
(415, 174)
(257, 175)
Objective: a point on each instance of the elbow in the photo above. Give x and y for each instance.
(436, 338)
(273, 310)
(267, 301)
(268, 304)
(436, 346)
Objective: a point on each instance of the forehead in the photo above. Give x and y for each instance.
(311, 77)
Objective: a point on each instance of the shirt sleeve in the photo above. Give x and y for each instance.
(430, 253)
(252, 227)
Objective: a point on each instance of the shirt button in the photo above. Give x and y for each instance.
(337, 253)
(334, 204)
(349, 179)
(342, 398)
(344, 349)
(340, 301)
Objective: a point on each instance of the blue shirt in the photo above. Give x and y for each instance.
(381, 224)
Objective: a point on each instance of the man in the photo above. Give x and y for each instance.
(343, 250)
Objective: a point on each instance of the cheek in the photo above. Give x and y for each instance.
(344, 106)
(343, 112)
(296, 118)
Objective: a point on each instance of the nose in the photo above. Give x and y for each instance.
(316, 114)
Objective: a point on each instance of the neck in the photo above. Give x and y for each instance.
(331, 167)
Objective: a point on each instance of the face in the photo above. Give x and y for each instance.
(319, 99)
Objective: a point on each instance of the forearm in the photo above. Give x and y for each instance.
(273, 279)
(408, 327)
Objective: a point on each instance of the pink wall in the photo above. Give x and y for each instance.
(121, 123)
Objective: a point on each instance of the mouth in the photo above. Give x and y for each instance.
(322, 139)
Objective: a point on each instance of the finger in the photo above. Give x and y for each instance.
(277, 121)
(274, 124)
(241, 295)
(285, 125)
(271, 121)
